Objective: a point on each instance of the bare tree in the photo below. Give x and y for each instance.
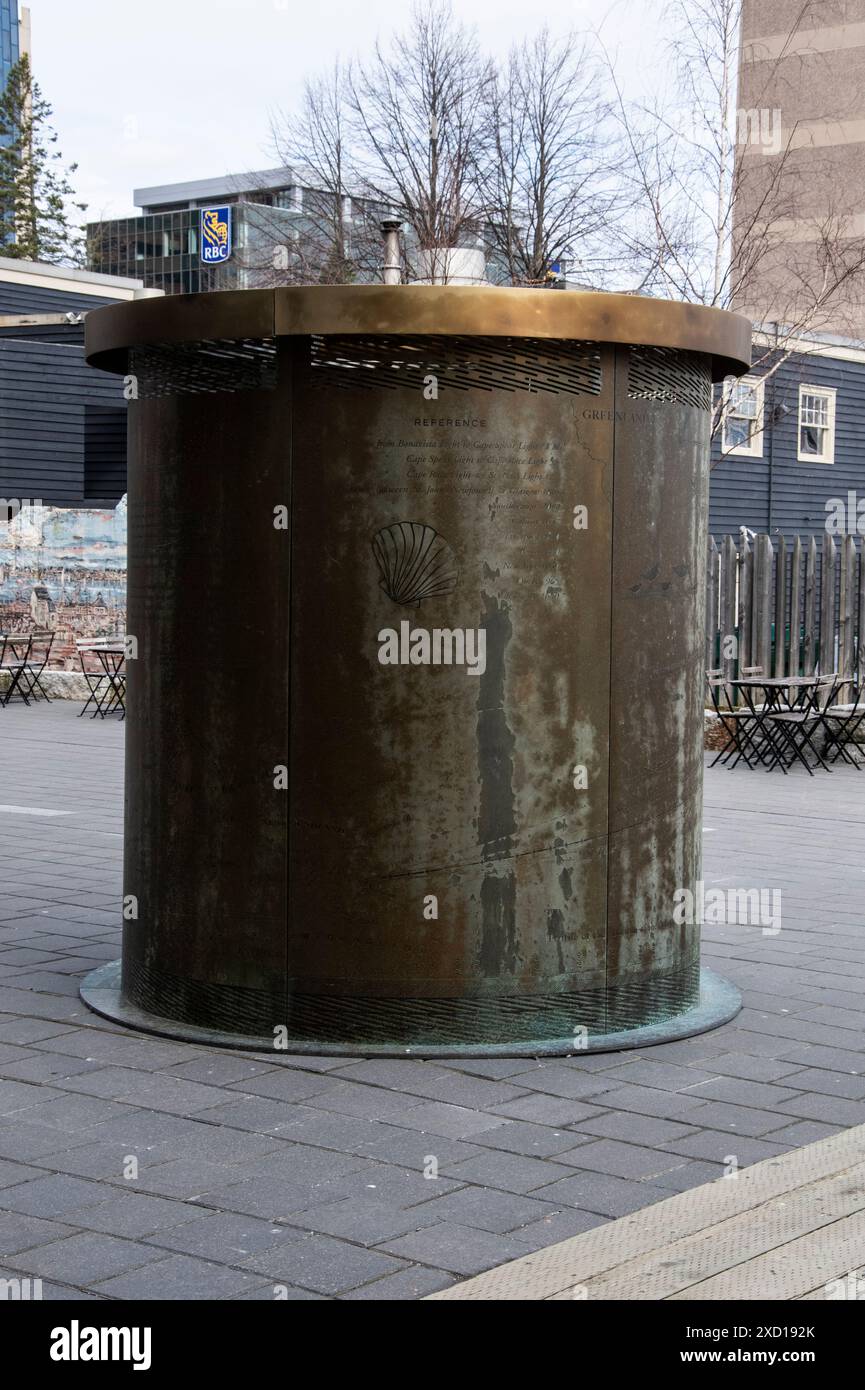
(417, 109)
(315, 234)
(335, 240)
(550, 161)
(518, 166)
(715, 192)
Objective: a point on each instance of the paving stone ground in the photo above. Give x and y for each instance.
(135, 1167)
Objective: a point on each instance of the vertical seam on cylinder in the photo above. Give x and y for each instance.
(615, 353)
(287, 358)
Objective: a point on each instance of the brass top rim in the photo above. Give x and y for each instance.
(377, 310)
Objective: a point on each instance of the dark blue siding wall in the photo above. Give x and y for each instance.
(777, 493)
(49, 332)
(45, 390)
(61, 426)
(33, 299)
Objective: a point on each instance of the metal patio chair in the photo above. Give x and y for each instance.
(759, 699)
(736, 723)
(14, 654)
(797, 727)
(112, 654)
(840, 723)
(95, 674)
(37, 659)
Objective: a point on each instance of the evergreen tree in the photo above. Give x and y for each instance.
(36, 198)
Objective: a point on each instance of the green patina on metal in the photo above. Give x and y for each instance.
(476, 648)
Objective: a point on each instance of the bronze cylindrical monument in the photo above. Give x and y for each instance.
(415, 720)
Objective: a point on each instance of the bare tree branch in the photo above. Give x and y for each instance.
(550, 161)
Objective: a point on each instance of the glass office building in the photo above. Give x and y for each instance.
(276, 233)
(162, 248)
(282, 233)
(9, 42)
(159, 248)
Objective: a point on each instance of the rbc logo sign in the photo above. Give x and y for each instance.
(215, 234)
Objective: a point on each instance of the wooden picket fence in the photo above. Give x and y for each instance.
(793, 607)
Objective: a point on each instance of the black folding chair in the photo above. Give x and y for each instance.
(736, 723)
(14, 654)
(797, 727)
(840, 723)
(95, 674)
(113, 660)
(37, 660)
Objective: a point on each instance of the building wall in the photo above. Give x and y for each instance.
(62, 437)
(802, 69)
(64, 569)
(31, 287)
(9, 45)
(777, 492)
(281, 235)
(38, 299)
(51, 406)
(62, 463)
(163, 248)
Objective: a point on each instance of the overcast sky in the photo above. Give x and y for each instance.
(164, 90)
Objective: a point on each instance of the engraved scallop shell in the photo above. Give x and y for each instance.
(415, 562)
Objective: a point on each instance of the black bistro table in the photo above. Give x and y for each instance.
(778, 707)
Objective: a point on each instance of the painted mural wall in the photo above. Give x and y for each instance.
(64, 569)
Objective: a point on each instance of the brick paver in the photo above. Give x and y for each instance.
(139, 1167)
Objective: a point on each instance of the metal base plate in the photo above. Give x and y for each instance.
(719, 1002)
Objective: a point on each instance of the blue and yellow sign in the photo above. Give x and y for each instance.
(215, 234)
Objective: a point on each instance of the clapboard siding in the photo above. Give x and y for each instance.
(68, 333)
(105, 450)
(776, 493)
(57, 441)
(61, 431)
(37, 299)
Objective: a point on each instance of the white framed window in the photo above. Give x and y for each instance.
(743, 418)
(816, 424)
